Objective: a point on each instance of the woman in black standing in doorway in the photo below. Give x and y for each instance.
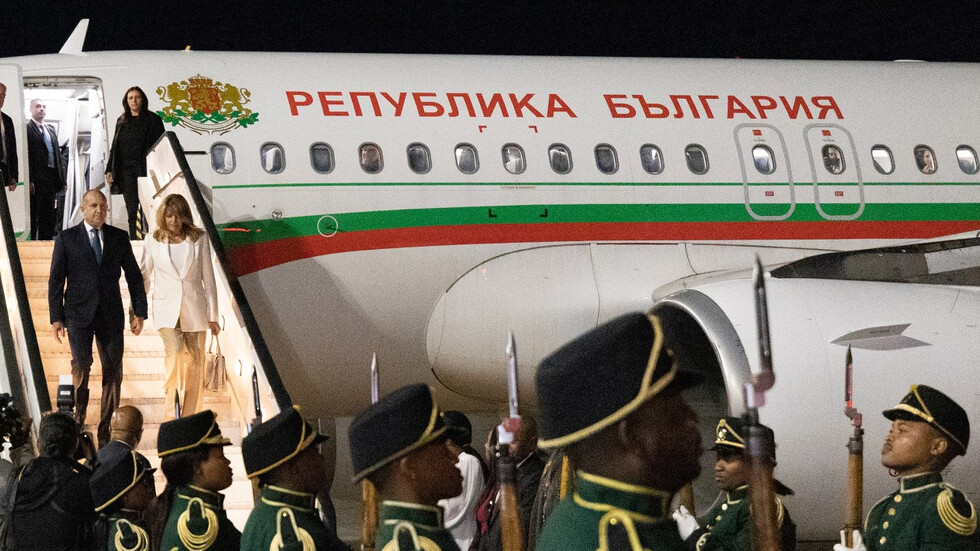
(137, 129)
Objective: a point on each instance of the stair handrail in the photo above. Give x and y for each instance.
(21, 351)
(266, 365)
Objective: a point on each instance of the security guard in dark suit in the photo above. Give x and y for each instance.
(612, 399)
(192, 458)
(283, 454)
(399, 444)
(727, 525)
(929, 429)
(122, 489)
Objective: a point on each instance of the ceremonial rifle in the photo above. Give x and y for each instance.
(510, 514)
(762, 496)
(855, 458)
(369, 496)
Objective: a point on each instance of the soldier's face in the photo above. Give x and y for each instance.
(731, 469)
(138, 497)
(436, 474)
(911, 446)
(311, 470)
(214, 473)
(664, 434)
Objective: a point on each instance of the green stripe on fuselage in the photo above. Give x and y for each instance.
(258, 231)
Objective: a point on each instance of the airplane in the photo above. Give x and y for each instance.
(421, 206)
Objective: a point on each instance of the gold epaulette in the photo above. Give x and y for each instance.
(285, 519)
(780, 512)
(139, 538)
(953, 519)
(192, 541)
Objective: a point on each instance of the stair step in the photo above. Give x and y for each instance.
(60, 364)
(155, 409)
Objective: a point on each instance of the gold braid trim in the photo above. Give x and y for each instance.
(964, 526)
(192, 541)
(613, 517)
(421, 543)
(142, 538)
(302, 536)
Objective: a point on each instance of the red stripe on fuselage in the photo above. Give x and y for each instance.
(247, 259)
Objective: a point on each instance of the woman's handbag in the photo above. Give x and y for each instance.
(215, 377)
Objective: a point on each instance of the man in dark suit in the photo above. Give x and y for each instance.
(45, 164)
(9, 173)
(90, 256)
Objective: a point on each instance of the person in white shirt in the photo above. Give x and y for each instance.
(460, 512)
(177, 260)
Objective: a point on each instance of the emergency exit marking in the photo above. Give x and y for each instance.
(770, 194)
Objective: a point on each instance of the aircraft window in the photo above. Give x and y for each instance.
(419, 159)
(967, 157)
(833, 159)
(652, 159)
(371, 160)
(697, 159)
(925, 159)
(321, 157)
(467, 160)
(765, 161)
(513, 158)
(222, 158)
(605, 159)
(883, 160)
(273, 158)
(561, 158)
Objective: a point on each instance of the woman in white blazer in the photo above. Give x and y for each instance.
(177, 266)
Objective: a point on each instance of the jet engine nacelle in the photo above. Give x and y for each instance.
(901, 334)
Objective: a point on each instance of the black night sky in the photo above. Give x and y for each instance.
(785, 29)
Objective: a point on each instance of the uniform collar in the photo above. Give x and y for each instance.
(211, 499)
(917, 482)
(282, 497)
(428, 516)
(602, 494)
(136, 517)
(738, 494)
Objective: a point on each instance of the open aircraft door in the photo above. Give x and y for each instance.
(767, 177)
(13, 106)
(838, 188)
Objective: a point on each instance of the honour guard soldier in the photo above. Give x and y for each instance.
(122, 489)
(928, 430)
(612, 398)
(283, 454)
(188, 515)
(399, 444)
(727, 524)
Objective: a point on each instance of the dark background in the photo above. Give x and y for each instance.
(787, 29)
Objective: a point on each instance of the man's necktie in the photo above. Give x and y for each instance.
(97, 246)
(48, 145)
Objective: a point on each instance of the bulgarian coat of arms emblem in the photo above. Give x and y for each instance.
(206, 107)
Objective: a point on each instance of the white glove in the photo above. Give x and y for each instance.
(686, 523)
(858, 543)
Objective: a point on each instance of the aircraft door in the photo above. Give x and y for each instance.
(838, 188)
(12, 106)
(767, 177)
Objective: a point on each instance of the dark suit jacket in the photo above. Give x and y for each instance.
(37, 156)
(528, 473)
(10, 170)
(89, 284)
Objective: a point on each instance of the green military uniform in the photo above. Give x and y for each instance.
(127, 532)
(120, 470)
(583, 388)
(924, 513)
(284, 516)
(601, 507)
(728, 525)
(418, 527)
(198, 521)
